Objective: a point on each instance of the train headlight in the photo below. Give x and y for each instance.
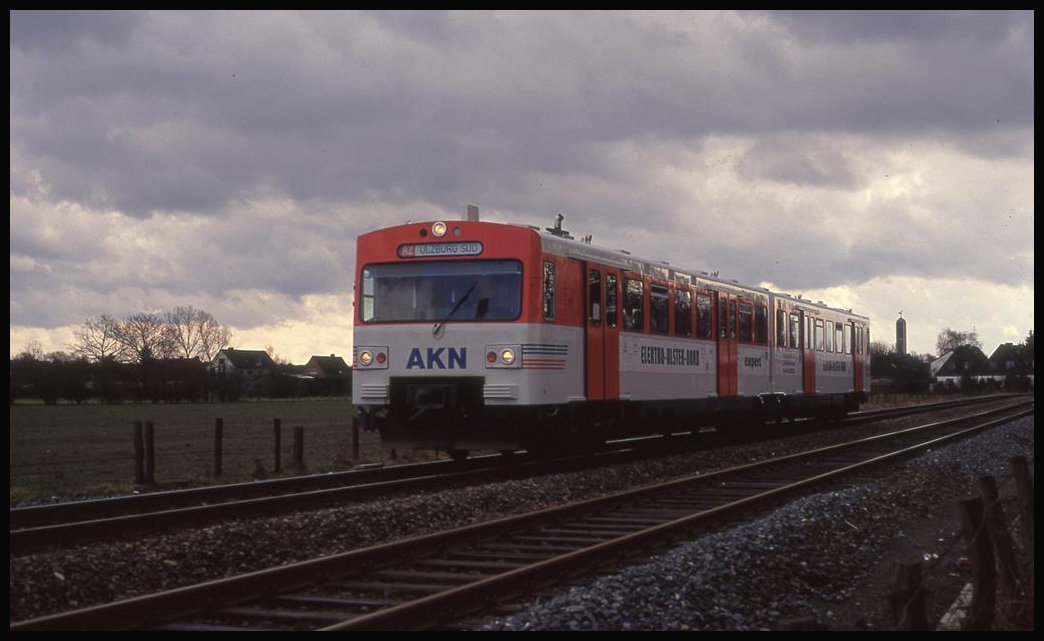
(503, 357)
(371, 358)
(438, 229)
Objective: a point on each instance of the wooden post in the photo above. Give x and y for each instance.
(277, 427)
(139, 455)
(984, 575)
(1024, 486)
(997, 526)
(219, 432)
(299, 448)
(355, 439)
(150, 454)
(906, 597)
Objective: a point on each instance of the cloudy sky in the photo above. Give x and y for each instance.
(876, 160)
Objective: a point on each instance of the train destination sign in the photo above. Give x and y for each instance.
(429, 250)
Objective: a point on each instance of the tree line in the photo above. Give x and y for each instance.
(152, 356)
(911, 373)
(184, 332)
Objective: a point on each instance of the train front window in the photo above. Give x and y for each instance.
(440, 290)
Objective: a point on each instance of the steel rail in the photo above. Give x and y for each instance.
(457, 601)
(94, 510)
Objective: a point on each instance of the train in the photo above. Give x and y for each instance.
(475, 335)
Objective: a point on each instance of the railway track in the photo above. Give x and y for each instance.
(430, 580)
(39, 527)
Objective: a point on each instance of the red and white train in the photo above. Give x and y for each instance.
(476, 335)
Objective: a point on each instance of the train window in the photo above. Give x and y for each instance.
(781, 328)
(795, 331)
(634, 299)
(849, 330)
(809, 342)
(830, 336)
(682, 312)
(839, 338)
(703, 316)
(610, 300)
(722, 316)
(746, 322)
(659, 309)
(594, 296)
(367, 294)
(549, 291)
(760, 325)
(819, 334)
(441, 291)
(732, 319)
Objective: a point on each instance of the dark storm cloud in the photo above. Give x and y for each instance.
(67, 29)
(862, 25)
(211, 158)
(185, 111)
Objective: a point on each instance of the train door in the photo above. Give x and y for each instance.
(728, 345)
(602, 334)
(808, 358)
(594, 335)
(856, 339)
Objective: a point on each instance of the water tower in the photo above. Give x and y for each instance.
(900, 335)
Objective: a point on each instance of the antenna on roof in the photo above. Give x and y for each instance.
(557, 229)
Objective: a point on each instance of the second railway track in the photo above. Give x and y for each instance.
(38, 527)
(419, 582)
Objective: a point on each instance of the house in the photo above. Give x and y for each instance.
(330, 375)
(966, 362)
(247, 362)
(1008, 358)
(331, 366)
(247, 371)
(1012, 366)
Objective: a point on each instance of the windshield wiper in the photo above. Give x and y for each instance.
(442, 323)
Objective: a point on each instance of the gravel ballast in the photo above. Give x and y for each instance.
(809, 559)
(797, 561)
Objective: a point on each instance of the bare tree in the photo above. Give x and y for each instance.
(196, 334)
(33, 352)
(145, 336)
(879, 348)
(276, 358)
(213, 337)
(98, 339)
(950, 339)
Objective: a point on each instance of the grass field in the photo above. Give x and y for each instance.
(88, 450)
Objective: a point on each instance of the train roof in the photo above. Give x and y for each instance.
(557, 241)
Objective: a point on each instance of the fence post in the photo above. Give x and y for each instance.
(150, 454)
(277, 427)
(355, 439)
(997, 526)
(984, 576)
(139, 455)
(219, 432)
(1024, 486)
(299, 448)
(906, 596)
